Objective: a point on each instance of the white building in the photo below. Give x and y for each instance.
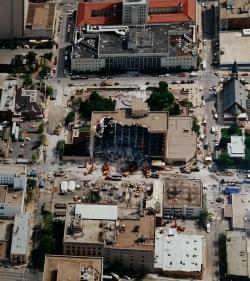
(134, 12)
(236, 148)
(178, 255)
(13, 176)
(20, 239)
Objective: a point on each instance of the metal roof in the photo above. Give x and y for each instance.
(96, 211)
(178, 252)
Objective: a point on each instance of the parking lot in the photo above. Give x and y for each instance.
(24, 149)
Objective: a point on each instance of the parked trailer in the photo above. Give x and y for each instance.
(6, 133)
(13, 129)
(231, 190)
(60, 213)
(60, 206)
(16, 134)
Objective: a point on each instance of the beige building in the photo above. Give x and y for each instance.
(237, 246)
(167, 138)
(40, 21)
(96, 231)
(66, 268)
(182, 197)
(12, 18)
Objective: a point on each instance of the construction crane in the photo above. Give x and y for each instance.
(179, 228)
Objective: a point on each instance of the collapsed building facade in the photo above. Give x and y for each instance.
(137, 134)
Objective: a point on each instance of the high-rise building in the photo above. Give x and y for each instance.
(134, 12)
(13, 15)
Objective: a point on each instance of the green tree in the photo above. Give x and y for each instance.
(48, 56)
(160, 101)
(224, 141)
(31, 183)
(185, 102)
(45, 69)
(34, 157)
(49, 91)
(224, 160)
(222, 255)
(41, 128)
(60, 147)
(27, 80)
(31, 58)
(247, 142)
(69, 118)
(96, 103)
(234, 130)
(196, 126)
(43, 139)
(203, 217)
(163, 86)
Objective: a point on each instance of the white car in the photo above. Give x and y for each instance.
(203, 103)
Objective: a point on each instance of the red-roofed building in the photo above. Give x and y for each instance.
(166, 11)
(99, 13)
(159, 11)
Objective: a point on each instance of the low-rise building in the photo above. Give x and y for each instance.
(182, 198)
(8, 89)
(5, 237)
(29, 104)
(237, 247)
(94, 230)
(14, 176)
(238, 211)
(234, 98)
(178, 255)
(11, 201)
(20, 239)
(236, 148)
(66, 268)
(40, 21)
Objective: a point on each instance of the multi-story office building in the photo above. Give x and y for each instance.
(13, 15)
(134, 12)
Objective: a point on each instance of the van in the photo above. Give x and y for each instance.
(213, 130)
(215, 116)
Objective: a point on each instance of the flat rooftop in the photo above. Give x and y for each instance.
(237, 253)
(181, 141)
(155, 121)
(133, 233)
(164, 40)
(89, 230)
(41, 15)
(10, 196)
(178, 252)
(8, 95)
(235, 47)
(240, 211)
(136, 234)
(12, 169)
(239, 9)
(184, 192)
(20, 235)
(66, 268)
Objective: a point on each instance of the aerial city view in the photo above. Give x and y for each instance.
(124, 140)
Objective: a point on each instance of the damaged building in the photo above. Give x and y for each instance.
(137, 134)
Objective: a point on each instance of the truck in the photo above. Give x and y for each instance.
(16, 134)
(208, 227)
(231, 190)
(194, 74)
(204, 65)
